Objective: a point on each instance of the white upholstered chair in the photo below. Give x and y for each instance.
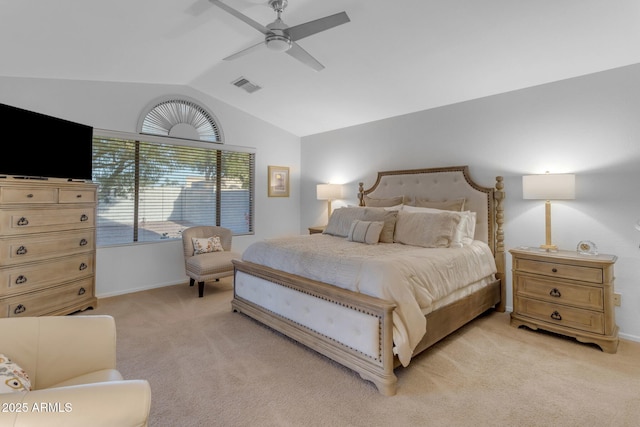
(207, 266)
(71, 364)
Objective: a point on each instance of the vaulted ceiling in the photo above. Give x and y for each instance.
(394, 57)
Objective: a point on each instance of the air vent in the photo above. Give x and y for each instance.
(245, 84)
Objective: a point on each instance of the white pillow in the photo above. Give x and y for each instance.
(465, 231)
(448, 205)
(365, 231)
(12, 377)
(206, 244)
(426, 229)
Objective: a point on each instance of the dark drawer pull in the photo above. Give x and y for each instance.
(556, 316)
(19, 309)
(83, 242)
(29, 196)
(21, 279)
(555, 270)
(555, 293)
(83, 266)
(23, 221)
(79, 196)
(84, 218)
(81, 291)
(21, 250)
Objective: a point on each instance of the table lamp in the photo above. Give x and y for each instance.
(549, 187)
(329, 192)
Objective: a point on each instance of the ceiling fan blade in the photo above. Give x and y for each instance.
(246, 19)
(244, 52)
(303, 56)
(307, 29)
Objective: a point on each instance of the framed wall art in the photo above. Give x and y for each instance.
(278, 181)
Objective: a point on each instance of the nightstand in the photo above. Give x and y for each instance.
(317, 229)
(566, 293)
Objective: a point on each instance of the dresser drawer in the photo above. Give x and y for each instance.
(28, 195)
(32, 276)
(87, 195)
(565, 271)
(23, 221)
(36, 247)
(575, 318)
(49, 300)
(589, 297)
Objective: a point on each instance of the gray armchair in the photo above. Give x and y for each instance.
(208, 266)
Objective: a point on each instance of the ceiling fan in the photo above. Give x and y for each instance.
(281, 38)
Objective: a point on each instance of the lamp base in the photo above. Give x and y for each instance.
(549, 248)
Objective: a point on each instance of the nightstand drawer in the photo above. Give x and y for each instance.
(560, 293)
(575, 318)
(565, 271)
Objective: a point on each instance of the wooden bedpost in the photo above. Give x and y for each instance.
(499, 196)
(361, 193)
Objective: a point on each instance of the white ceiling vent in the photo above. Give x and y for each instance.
(245, 84)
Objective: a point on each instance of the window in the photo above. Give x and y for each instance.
(151, 188)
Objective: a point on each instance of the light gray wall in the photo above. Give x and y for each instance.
(589, 126)
(117, 106)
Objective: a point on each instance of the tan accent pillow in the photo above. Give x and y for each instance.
(426, 229)
(448, 205)
(465, 231)
(388, 217)
(365, 231)
(12, 377)
(382, 203)
(206, 244)
(341, 220)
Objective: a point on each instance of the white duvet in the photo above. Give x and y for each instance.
(414, 278)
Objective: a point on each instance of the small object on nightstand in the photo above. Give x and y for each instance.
(567, 293)
(317, 229)
(586, 247)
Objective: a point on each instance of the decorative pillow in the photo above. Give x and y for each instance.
(381, 203)
(365, 231)
(448, 205)
(465, 231)
(12, 377)
(426, 229)
(387, 216)
(206, 244)
(341, 220)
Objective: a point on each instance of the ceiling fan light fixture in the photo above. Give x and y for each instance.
(278, 43)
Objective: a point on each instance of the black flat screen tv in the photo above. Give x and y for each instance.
(37, 146)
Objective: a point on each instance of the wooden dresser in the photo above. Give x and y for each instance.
(566, 293)
(47, 247)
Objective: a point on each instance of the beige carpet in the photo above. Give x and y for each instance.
(209, 366)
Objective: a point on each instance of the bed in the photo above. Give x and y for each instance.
(367, 306)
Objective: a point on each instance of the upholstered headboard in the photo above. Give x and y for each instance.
(447, 183)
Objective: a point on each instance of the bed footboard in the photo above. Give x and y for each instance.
(354, 330)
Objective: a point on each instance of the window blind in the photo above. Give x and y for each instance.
(151, 190)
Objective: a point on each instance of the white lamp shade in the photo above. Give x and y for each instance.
(329, 191)
(549, 186)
